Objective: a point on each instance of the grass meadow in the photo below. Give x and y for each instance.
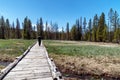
(90, 58)
(74, 49)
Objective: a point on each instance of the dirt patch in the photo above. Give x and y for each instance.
(101, 66)
(7, 58)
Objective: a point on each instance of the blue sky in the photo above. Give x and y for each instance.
(60, 11)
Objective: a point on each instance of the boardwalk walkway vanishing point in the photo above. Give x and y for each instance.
(36, 65)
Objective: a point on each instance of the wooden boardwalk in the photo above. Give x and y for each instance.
(34, 66)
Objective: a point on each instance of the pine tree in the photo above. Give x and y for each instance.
(2, 24)
(67, 31)
(105, 33)
(94, 29)
(74, 33)
(110, 15)
(101, 26)
(77, 29)
(27, 29)
(115, 19)
(81, 31)
(90, 30)
(84, 27)
(40, 28)
(17, 31)
(0, 30)
(13, 34)
(118, 30)
(7, 29)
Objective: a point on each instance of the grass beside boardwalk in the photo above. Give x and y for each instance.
(80, 49)
(9, 49)
(90, 58)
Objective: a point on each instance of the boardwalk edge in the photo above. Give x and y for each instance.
(54, 70)
(6, 70)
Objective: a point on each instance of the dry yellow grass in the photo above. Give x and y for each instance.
(1, 67)
(86, 58)
(102, 65)
(85, 43)
(6, 57)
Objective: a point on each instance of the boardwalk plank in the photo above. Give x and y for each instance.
(34, 66)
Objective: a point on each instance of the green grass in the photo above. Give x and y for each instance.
(73, 49)
(9, 49)
(79, 57)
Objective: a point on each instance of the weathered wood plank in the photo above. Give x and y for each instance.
(34, 66)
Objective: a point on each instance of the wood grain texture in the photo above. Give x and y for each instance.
(34, 66)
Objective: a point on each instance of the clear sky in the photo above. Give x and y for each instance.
(60, 11)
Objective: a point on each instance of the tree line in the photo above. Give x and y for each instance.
(97, 29)
(12, 31)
